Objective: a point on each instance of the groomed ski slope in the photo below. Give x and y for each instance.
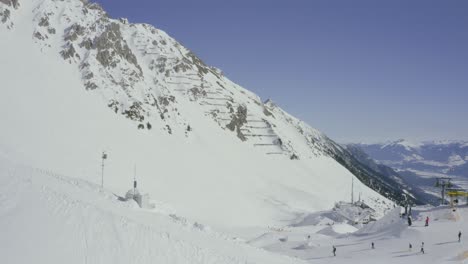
(49, 218)
(391, 237)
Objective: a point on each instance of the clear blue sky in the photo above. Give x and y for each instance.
(357, 70)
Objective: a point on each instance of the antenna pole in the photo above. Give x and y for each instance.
(134, 179)
(104, 157)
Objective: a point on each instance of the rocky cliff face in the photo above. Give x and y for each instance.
(6, 10)
(146, 76)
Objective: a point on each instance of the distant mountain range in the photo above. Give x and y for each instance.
(419, 163)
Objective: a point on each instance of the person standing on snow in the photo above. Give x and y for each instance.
(427, 221)
(409, 221)
(459, 236)
(372, 245)
(422, 247)
(410, 247)
(334, 251)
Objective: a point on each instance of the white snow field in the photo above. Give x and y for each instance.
(391, 236)
(50, 218)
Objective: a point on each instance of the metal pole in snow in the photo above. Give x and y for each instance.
(104, 156)
(443, 193)
(134, 180)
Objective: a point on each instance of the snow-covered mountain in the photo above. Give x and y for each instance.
(420, 162)
(391, 176)
(76, 83)
(221, 167)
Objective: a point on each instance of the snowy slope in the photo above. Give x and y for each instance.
(46, 217)
(76, 82)
(49, 218)
(391, 237)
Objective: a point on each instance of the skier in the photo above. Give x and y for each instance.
(459, 236)
(427, 221)
(372, 245)
(409, 221)
(410, 247)
(334, 251)
(422, 247)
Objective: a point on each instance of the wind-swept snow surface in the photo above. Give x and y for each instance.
(49, 218)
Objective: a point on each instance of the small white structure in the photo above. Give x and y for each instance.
(141, 199)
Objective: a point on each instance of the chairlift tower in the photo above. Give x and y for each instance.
(443, 183)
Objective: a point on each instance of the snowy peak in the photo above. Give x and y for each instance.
(148, 77)
(145, 81)
(406, 144)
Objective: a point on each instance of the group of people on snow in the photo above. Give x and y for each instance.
(410, 220)
(410, 245)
